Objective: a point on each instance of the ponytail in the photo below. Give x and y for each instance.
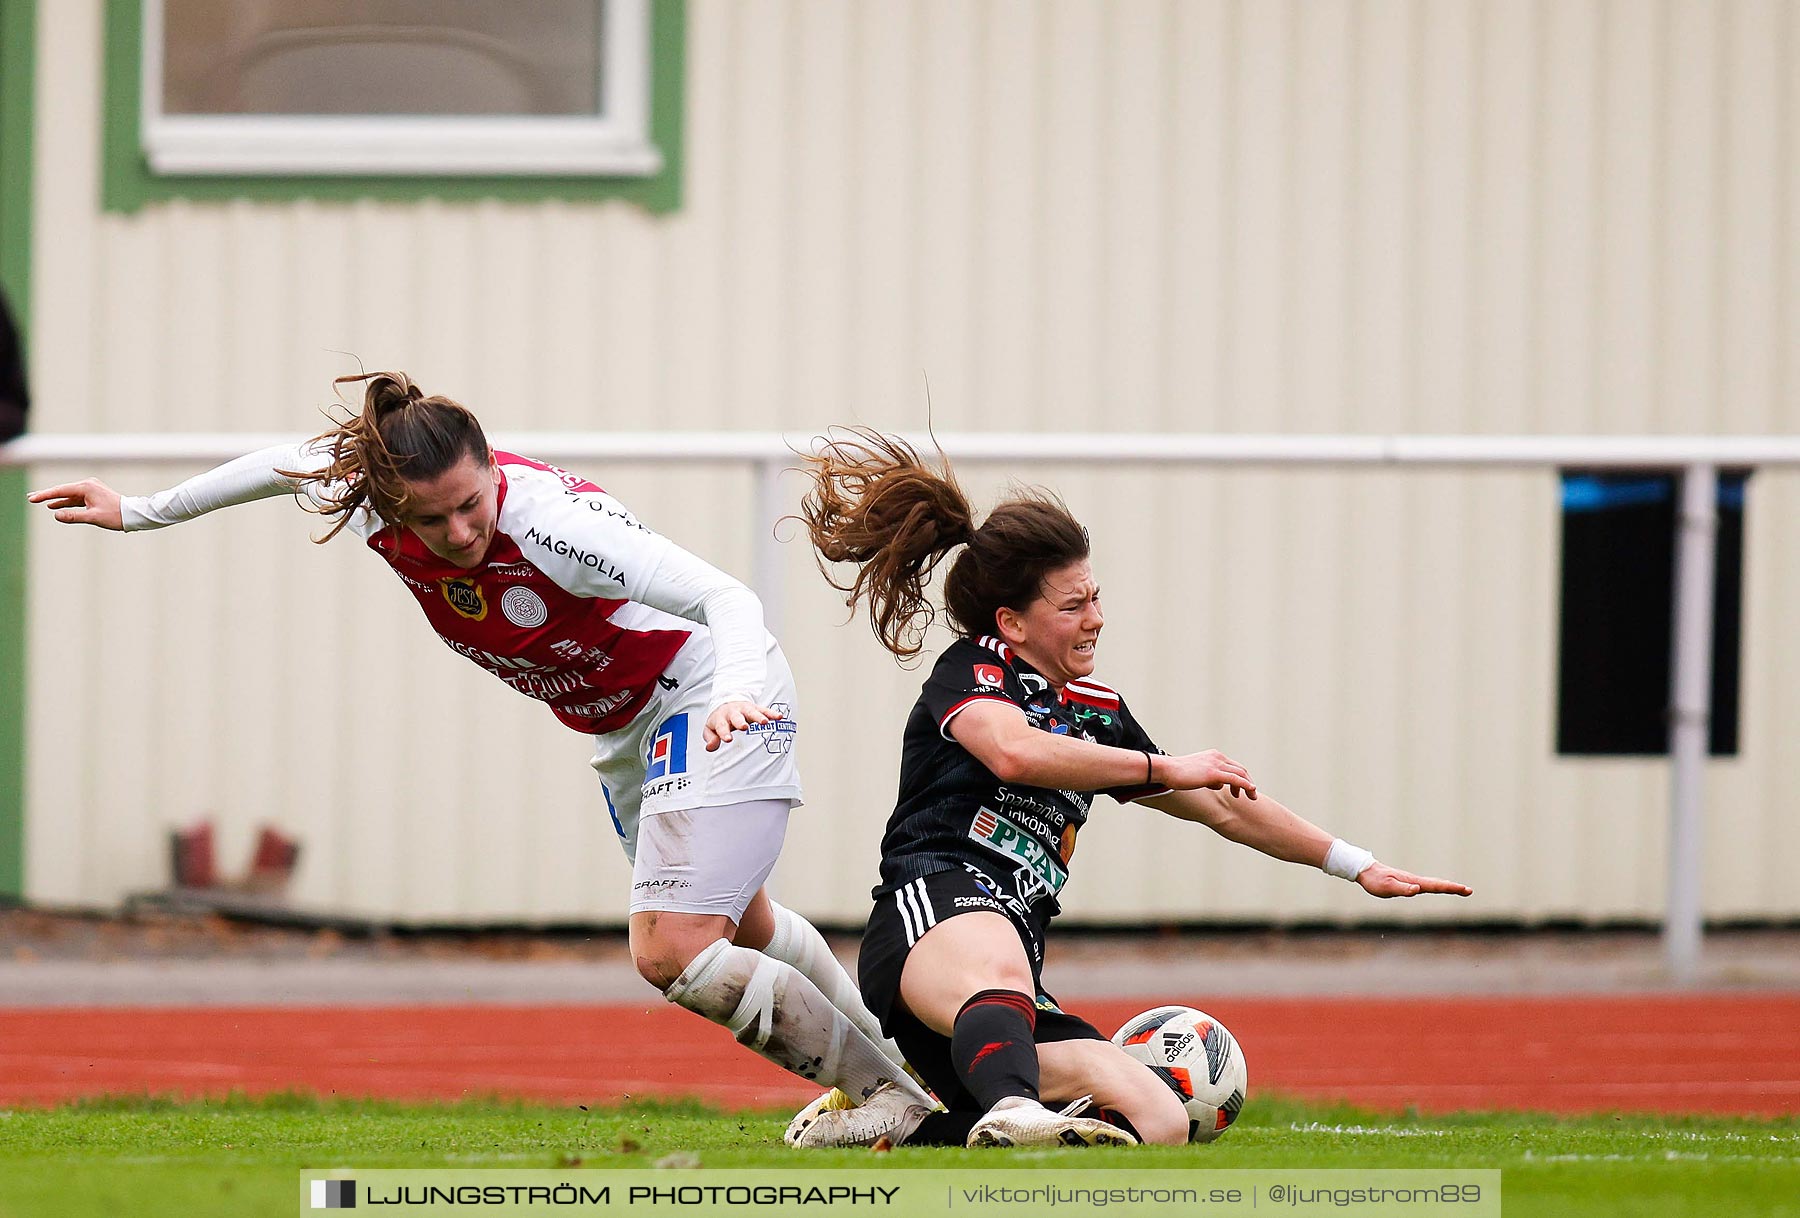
(875, 504)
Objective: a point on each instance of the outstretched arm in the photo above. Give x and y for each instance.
(999, 736)
(1279, 832)
(242, 480)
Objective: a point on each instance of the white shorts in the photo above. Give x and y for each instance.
(658, 762)
(707, 860)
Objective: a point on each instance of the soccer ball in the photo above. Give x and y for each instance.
(1200, 1060)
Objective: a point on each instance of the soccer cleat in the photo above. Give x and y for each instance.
(890, 1113)
(835, 1100)
(1018, 1121)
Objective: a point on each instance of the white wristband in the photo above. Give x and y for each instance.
(1345, 861)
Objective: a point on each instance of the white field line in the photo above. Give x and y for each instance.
(1691, 1136)
(1379, 1131)
(1686, 1135)
(1667, 1156)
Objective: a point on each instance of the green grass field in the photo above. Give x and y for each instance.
(139, 1157)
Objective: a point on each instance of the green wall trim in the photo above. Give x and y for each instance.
(18, 56)
(127, 184)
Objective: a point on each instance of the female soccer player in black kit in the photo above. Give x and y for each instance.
(1003, 753)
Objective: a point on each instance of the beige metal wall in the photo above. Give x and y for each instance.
(1565, 216)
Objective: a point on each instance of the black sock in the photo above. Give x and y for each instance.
(993, 1048)
(944, 1129)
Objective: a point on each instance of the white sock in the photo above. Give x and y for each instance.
(799, 943)
(773, 1010)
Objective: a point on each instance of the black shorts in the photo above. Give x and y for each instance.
(900, 918)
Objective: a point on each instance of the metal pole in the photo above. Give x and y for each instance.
(765, 555)
(1690, 715)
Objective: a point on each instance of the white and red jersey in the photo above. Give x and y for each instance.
(576, 603)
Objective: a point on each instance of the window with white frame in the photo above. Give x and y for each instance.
(398, 87)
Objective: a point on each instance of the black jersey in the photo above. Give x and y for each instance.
(954, 812)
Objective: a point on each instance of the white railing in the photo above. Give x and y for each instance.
(1697, 458)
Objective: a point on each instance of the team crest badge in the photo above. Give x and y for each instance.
(523, 607)
(465, 596)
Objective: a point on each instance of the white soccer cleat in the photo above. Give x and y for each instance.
(1018, 1121)
(835, 1100)
(890, 1113)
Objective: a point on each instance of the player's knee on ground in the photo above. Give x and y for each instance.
(1099, 1068)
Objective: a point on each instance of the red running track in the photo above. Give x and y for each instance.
(1692, 1053)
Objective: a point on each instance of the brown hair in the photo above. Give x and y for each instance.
(876, 504)
(401, 436)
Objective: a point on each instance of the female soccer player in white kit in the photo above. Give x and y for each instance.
(549, 583)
